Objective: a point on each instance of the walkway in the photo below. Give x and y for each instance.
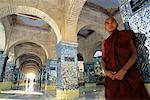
(96, 93)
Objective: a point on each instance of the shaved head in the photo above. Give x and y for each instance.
(110, 18)
(110, 24)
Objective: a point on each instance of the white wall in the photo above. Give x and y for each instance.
(2, 37)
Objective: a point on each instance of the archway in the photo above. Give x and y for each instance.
(90, 40)
(29, 58)
(9, 10)
(28, 41)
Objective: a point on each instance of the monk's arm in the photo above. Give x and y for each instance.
(132, 59)
(108, 73)
(120, 74)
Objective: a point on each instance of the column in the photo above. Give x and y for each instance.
(51, 74)
(3, 62)
(138, 20)
(2, 59)
(90, 80)
(9, 72)
(46, 69)
(13, 73)
(40, 79)
(43, 78)
(53, 71)
(67, 80)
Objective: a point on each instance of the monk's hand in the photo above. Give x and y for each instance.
(110, 74)
(119, 75)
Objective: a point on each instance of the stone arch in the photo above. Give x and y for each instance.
(27, 41)
(96, 47)
(73, 15)
(94, 27)
(87, 26)
(34, 69)
(75, 10)
(96, 44)
(40, 62)
(8, 10)
(2, 37)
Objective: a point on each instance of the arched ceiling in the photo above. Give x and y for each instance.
(27, 51)
(29, 68)
(29, 28)
(29, 57)
(30, 21)
(31, 12)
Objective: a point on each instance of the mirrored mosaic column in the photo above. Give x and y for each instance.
(2, 59)
(53, 71)
(67, 80)
(137, 18)
(90, 80)
(47, 67)
(89, 71)
(50, 75)
(9, 71)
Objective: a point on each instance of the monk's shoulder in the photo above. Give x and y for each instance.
(125, 34)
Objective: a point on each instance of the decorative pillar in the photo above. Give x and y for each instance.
(137, 18)
(9, 72)
(13, 73)
(3, 62)
(40, 79)
(51, 69)
(67, 80)
(43, 78)
(46, 71)
(13, 76)
(2, 58)
(89, 71)
(90, 80)
(16, 76)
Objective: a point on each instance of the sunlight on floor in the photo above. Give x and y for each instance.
(21, 92)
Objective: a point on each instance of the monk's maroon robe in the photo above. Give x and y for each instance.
(117, 53)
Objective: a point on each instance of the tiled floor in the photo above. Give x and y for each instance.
(92, 93)
(96, 93)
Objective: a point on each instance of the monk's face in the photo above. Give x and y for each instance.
(110, 25)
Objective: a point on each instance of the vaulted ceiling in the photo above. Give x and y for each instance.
(29, 21)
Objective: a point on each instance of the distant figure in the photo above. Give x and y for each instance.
(119, 64)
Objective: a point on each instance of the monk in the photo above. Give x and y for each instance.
(119, 63)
